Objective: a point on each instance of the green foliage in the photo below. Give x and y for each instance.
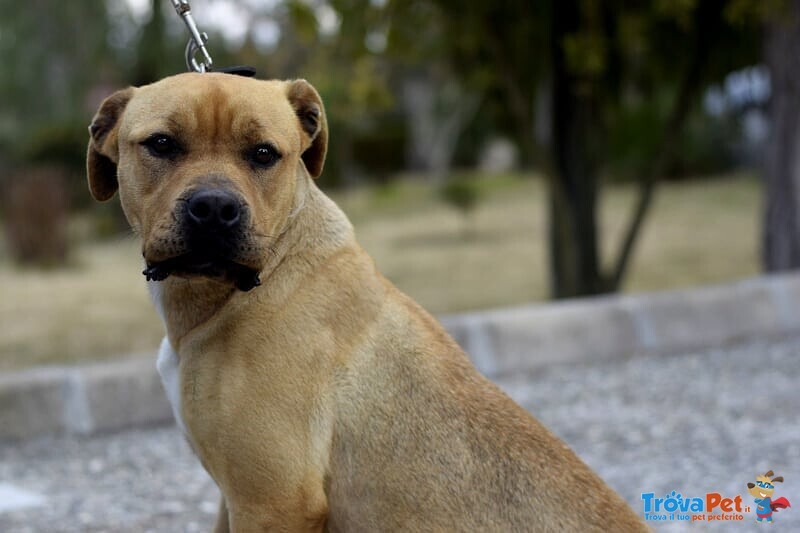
(304, 21)
(51, 56)
(377, 150)
(743, 13)
(59, 144)
(706, 147)
(634, 139)
(461, 193)
(586, 51)
(157, 53)
(703, 149)
(636, 133)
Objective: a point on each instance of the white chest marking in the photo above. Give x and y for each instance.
(156, 294)
(167, 363)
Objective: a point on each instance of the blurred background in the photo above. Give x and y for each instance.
(490, 153)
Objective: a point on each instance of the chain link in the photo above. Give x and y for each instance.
(197, 40)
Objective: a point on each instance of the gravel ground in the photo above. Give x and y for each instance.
(693, 423)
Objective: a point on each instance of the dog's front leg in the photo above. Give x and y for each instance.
(293, 510)
(223, 523)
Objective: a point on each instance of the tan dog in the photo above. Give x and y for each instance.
(323, 399)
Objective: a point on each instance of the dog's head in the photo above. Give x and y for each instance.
(209, 168)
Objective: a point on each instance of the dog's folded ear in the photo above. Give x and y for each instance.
(307, 105)
(103, 153)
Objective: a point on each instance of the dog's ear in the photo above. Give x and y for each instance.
(103, 153)
(309, 110)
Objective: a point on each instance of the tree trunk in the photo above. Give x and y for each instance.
(574, 257)
(781, 223)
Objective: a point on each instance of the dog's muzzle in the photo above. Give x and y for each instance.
(212, 223)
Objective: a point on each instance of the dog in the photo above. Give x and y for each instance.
(315, 393)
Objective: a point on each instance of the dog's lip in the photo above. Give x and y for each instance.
(189, 260)
(245, 277)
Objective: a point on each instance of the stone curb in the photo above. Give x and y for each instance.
(82, 399)
(504, 341)
(108, 396)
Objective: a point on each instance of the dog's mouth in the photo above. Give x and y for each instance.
(197, 264)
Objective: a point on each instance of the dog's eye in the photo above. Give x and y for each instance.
(161, 145)
(263, 155)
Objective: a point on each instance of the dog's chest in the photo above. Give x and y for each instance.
(189, 391)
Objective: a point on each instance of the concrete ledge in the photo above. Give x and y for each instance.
(119, 394)
(126, 394)
(83, 399)
(612, 327)
(31, 402)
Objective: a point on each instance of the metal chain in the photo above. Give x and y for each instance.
(197, 40)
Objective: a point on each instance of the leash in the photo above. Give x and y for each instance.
(197, 43)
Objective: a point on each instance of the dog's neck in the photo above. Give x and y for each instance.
(185, 304)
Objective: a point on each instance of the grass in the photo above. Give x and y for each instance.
(697, 233)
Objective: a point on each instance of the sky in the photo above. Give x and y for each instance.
(233, 18)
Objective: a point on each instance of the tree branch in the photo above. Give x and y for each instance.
(708, 18)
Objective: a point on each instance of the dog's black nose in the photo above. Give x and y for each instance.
(213, 208)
